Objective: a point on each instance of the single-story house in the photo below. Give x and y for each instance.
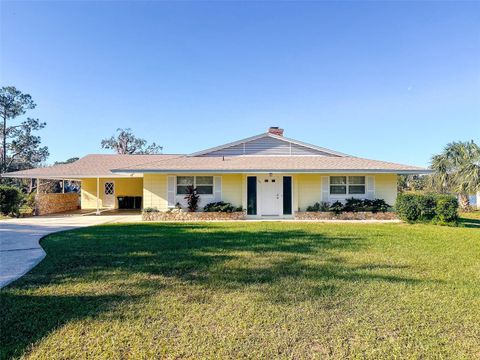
(268, 175)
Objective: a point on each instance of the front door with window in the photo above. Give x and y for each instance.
(270, 195)
(109, 194)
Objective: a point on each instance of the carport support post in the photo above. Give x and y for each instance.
(63, 186)
(98, 196)
(37, 197)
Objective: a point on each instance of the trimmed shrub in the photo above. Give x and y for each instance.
(426, 205)
(351, 205)
(446, 209)
(221, 206)
(150, 210)
(354, 205)
(321, 206)
(324, 206)
(440, 209)
(11, 198)
(313, 208)
(378, 205)
(408, 208)
(336, 207)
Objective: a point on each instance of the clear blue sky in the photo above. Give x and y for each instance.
(382, 80)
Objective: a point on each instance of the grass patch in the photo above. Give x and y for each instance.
(253, 290)
(470, 219)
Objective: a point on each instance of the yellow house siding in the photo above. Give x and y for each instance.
(386, 187)
(123, 187)
(232, 189)
(295, 192)
(155, 191)
(88, 194)
(309, 187)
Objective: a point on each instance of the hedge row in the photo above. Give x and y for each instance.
(441, 209)
(351, 205)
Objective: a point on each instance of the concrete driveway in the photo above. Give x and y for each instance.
(20, 250)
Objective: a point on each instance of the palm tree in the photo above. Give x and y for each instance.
(457, 169)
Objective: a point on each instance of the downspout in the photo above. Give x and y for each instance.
(98, 197)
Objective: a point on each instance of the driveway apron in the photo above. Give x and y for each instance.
(20, 250)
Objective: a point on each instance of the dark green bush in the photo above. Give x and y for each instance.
(324, 206)
(426, 205)
(351, 205)
(313, 208)
(220, 206)
(446, 209)
(440, 209)
(321, 206)
(354, 205)
(150, 210)
(408, 207)
(377, 205)
(11, 198)
(336, 207)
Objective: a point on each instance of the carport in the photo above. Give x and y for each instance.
(101, 189)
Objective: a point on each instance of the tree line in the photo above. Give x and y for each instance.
(21, 146)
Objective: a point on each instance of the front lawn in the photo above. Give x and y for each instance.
(249, 290)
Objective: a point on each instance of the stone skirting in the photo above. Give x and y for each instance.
(192, 216)
(55, 203)
(361, 215)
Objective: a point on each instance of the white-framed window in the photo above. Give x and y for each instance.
(343, 185)
(204, 184)
(356, 185)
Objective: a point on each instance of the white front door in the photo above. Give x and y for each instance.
(109, 194)
(270, 196)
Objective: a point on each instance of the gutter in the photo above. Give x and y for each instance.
(274, 171)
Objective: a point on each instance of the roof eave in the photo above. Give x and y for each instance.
(70, 177)
(283, 171)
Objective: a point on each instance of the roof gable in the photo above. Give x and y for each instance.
(267, 144)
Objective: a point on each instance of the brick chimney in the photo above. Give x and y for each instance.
(275, 130)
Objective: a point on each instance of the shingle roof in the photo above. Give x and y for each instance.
(101, 165)
(94, 165)
(323, 164)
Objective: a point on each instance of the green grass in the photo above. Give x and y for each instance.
(470, 219)
(249, 290)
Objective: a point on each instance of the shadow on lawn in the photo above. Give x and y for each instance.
(470, 223)
(214, 256)
(26, 319)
